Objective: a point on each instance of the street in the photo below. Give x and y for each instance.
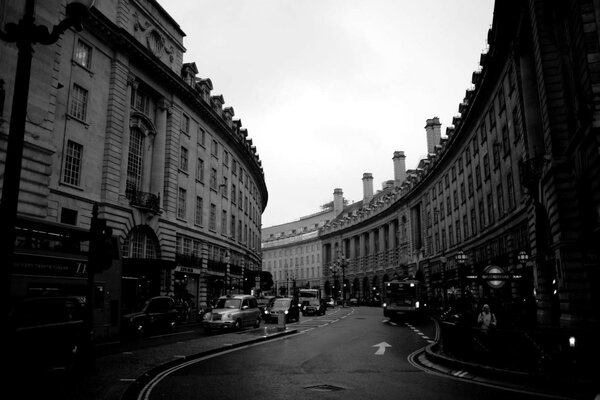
(354, 352)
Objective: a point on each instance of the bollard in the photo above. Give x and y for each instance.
(281, 321)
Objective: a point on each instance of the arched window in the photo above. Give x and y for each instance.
(141, 243)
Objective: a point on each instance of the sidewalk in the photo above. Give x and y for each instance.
(114, 374)
(576, 378)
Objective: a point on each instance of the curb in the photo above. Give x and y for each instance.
(133, 389)
(538, 381)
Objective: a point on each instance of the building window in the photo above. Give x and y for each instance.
(200, 170)
(473, 223)
(79, 99)
(201, 137)
(458, 236)
(83, 54)
(185, 124)
(225, 158)
(505, 141)
(481, 216)
(496, 155)
(482, 134)
(140, 101)
(486, 167)
(135, 162)
(478, 176)
(225, 186)
(500, 194)
(466, 226)
(490, 207)
(463, 194)
(213, 178)
(215, 148)
(198, 214)
(492, 117)
(468, 155)
(232, 229)
(183, 159)
(68, 216)
(212, 220)
(73, 157)
(510, 190)
(501, 99)
(516, 125)
(181, 203)
(224, 222)
(233, 191)
(470, 185)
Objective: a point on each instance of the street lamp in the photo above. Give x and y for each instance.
(340, 263)
(25, 34)
(461, 260)
(523, 257)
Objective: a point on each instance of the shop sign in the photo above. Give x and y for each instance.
(187, 270)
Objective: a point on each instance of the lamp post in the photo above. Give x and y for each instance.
(461, 260)
(443, 261)
(334, 269)
(338, 264)
(227, 272)
(25, 34)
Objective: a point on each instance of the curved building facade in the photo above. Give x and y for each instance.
(512, 189)
(117, 119)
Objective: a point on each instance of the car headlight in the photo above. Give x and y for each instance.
(226, 317)
(417, 304)
(267, 312)
(285, 312)
(207, 316)
(384, 305)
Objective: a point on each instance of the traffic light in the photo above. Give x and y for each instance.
(102, 246)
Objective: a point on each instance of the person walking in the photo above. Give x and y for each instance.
(486, 319)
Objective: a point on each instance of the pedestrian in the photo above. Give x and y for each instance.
(486, 319)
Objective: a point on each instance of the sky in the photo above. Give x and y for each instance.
(329, 89)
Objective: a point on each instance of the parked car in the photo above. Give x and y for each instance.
(353, 301)
(158, 314)
(330, 302)
(287, 306)
(263, 303)
(314, 307)
(233, 312)
(48, 333)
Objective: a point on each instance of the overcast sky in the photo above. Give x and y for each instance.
(329, 89)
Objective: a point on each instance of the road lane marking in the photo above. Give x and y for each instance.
(381, 350)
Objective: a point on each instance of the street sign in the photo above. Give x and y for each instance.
(495, 276)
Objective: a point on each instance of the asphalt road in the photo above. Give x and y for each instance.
(354, 353)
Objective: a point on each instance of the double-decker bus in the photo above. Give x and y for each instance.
(404, 298)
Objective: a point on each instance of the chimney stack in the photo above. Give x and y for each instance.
(434, 133)
(367, 187)
(338, 201)
(399, 167)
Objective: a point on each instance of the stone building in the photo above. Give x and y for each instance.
(513, 186)
(291, 252)
(116, 118)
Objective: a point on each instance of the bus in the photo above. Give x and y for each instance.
(404, 298)
(309, 294)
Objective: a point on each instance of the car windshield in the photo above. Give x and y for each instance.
(281, 303)
(229, 303)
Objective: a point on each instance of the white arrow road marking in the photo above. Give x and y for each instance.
(381, 348)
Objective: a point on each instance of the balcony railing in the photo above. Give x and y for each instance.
(144, 200)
